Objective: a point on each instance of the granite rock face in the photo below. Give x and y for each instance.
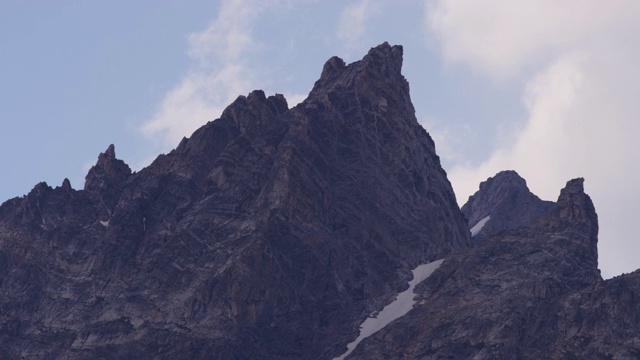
(530, 293)
(270, 233)
(503, 202)
(273, 233)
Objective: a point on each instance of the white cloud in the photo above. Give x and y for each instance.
(501, 37)
(220, 73)
(449, 140)
(581, 101)
(353, 21)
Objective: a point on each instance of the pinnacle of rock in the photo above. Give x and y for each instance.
(66, 184)
(576, 216)
(107, 177)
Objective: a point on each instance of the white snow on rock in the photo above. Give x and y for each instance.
(478, 226)
(399, 307)
(104, 223)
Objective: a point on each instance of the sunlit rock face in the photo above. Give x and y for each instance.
(270, 233)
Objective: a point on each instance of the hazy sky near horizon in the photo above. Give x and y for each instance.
(547, 88)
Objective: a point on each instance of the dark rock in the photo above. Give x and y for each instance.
(530, 293)
(106, 180)
(503, 202)
(66, 184)
(269, 233)
(108, 174)
(273, 233)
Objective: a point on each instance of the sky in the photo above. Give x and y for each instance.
(546, 88)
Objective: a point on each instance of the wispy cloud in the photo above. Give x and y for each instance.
(219, 74)
(353, 20)
(577, 63)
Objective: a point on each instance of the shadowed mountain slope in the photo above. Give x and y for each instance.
(269, 233)
(530, 293)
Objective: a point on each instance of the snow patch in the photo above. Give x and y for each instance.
(104, 223)
(479, 225)
(399, 307)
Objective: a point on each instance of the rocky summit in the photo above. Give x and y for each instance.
(269, 233)
(324, 231)
(533, 292)
(502, 202)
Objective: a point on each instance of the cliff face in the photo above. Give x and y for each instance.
(269, 233)
(530, 293)
(274, 233)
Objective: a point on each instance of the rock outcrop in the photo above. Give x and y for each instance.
(530, 293)
(269, 233)
(106, 180)
(503, 202)
(273, 233)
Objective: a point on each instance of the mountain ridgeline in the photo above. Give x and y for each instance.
(275, 232)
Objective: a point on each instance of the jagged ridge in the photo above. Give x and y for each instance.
(528, 293)
(269, 233)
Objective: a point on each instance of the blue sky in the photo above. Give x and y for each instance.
(547, 88)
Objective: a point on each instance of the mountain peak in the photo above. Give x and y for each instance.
(539, 281)
(505, 178)
(274, 233)
(575, 214)
(378, 70)
(502, 202)
(111, 152)
(575, 208)
(333, 66)
(107, 177)
(385, 58)
(107, 169)
(66, 184)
